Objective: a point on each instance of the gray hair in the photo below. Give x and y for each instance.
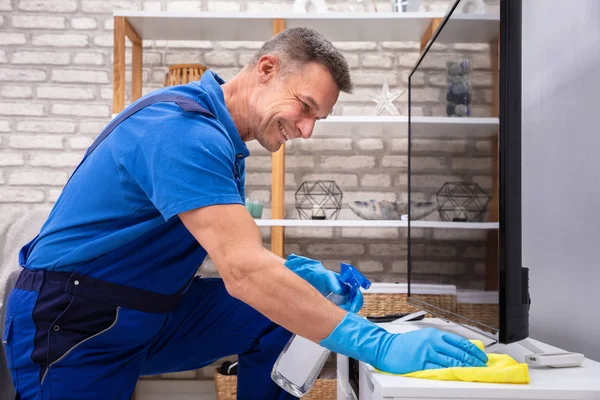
(300, 46)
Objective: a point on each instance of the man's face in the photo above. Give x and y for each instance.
(287, 106)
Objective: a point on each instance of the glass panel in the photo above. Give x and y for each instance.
(453, 266)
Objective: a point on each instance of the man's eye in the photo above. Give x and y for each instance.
(305, 106)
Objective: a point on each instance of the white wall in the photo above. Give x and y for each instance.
(561, 171)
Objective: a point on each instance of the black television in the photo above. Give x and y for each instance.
(464, 162)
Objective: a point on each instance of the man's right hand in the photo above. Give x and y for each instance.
(402, 353)
(322, 279)
(315, 273)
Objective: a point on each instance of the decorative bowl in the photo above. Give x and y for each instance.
(387, 210)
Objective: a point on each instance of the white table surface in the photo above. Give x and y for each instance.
(546, 383)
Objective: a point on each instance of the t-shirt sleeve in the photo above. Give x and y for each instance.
(184, 165)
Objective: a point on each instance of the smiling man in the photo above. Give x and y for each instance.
(107, 293)
(283, 91)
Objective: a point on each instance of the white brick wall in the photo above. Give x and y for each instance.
(56, 96)
(16, 91)
(41, 57)
(61, 6)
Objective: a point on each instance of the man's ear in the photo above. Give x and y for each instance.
(267, 67)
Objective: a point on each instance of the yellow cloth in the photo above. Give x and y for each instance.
(500, 368)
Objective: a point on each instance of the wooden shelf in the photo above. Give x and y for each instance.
(376, 224)
(336, 26)
(397, 126)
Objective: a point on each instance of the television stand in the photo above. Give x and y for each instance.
(546, 383)
(517, 350)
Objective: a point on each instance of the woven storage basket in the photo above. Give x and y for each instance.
(487, 314)
(180, 74)
(324, 389)
(226, 386)
(396, 303)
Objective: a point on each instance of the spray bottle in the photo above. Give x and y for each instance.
(301, 361)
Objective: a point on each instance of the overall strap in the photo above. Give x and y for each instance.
(186, 104)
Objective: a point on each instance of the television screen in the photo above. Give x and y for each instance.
(464, 180)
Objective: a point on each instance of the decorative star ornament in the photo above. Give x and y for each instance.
(385, 100)
(363, 5)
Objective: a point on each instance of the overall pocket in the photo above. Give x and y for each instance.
(19, 327)
(18, 345)
(6, 336)
(80, 321)
(8, 350)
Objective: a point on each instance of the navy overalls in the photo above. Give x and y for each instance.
(136, 310)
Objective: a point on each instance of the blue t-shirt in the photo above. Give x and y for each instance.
(159, 162)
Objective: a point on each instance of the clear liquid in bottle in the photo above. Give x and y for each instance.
(301, 361)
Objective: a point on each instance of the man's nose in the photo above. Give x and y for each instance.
(306, 126)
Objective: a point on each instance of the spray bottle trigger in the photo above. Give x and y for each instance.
(352, 280)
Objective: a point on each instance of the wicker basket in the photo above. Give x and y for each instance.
(487, 314)
(396, 303)
(226, 387)
(180, 74)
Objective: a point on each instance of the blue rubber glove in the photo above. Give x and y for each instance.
(418, 350)
(324, 280)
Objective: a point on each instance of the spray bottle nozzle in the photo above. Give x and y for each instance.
(353, 280)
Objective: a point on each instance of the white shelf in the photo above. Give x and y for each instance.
(476, 297)
(375, 224)
(397, 126)
(336, 26)
(331, 223)
(455, 225)
(415, 288)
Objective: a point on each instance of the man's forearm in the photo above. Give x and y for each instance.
(271, 288)
(258, 277)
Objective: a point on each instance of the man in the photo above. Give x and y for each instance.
(106, 294)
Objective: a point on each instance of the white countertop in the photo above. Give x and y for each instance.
(547, 383)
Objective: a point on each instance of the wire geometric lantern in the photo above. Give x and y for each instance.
(318, 200)
(462, 202)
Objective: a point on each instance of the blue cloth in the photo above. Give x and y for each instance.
(157, 163)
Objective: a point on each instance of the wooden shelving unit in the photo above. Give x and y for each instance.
(138, 26)
(337, 27)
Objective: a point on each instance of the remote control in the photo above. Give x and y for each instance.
(395, 317)
(416, 316)
(555, 360)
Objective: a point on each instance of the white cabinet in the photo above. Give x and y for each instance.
(545, 383)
